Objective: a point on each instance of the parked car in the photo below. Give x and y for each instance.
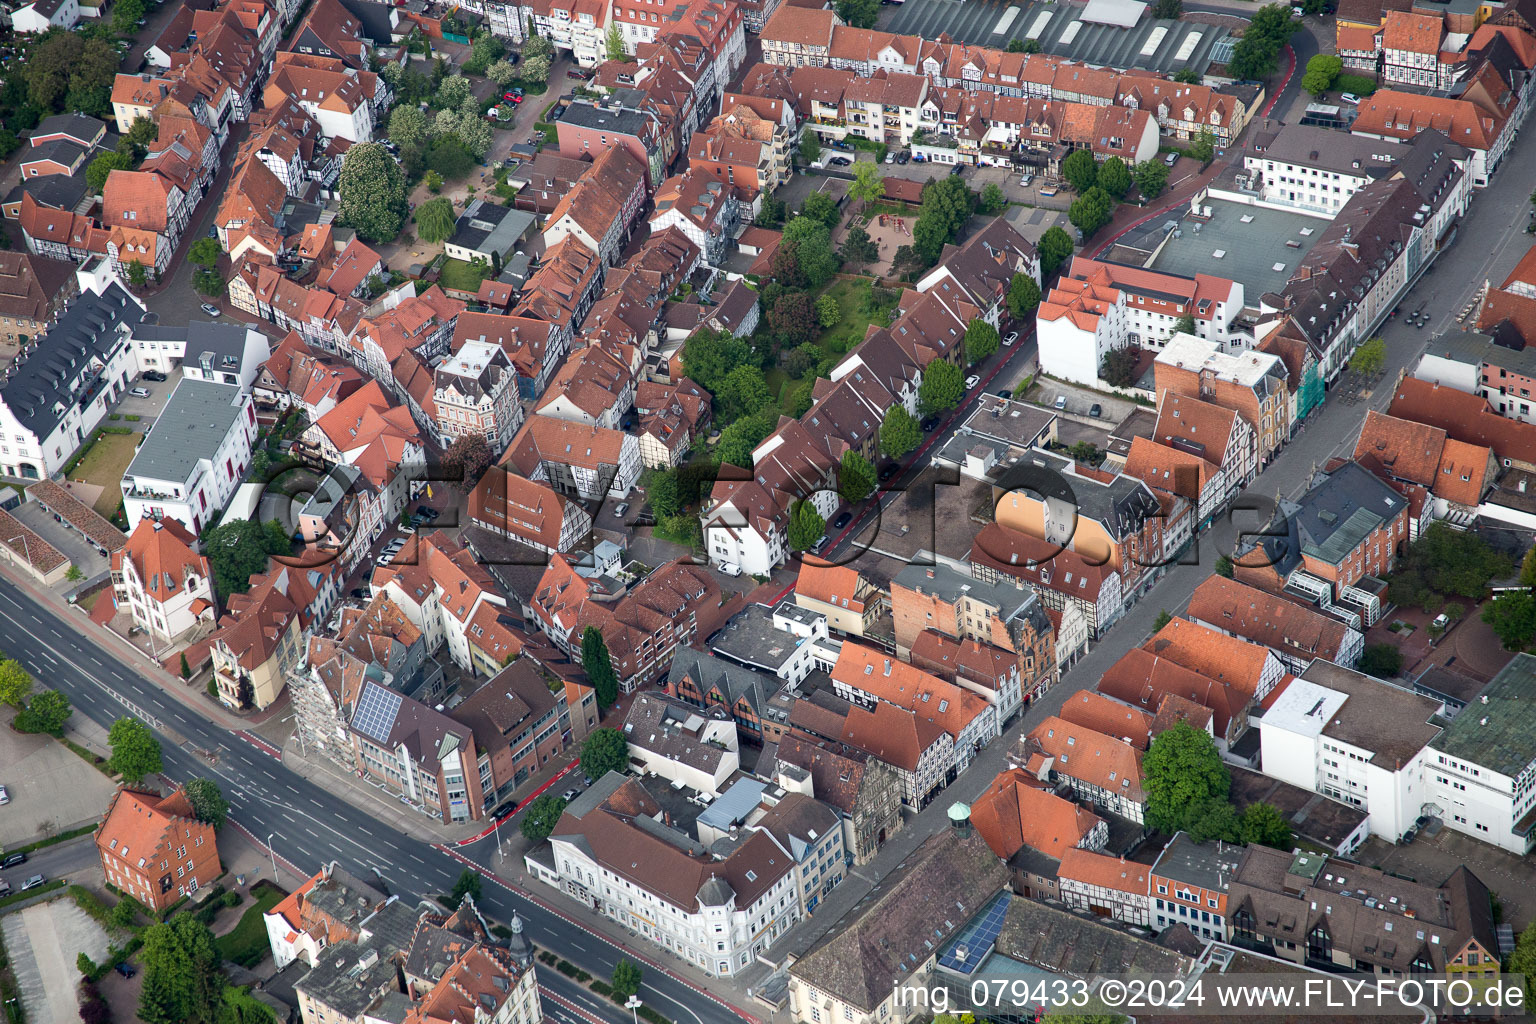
(890, 158)
(5, 887)
(5, 797)
(929, 424)
(889, 471)
(1350, 98)
(126, 970)
(1170, 159)
(1005, 393)
(1061, 401)
(427, 512)
(840, 161)
(13, 859)
(730, 568)
(819, 546)
(139, 392)
(1026, 179)
(361, 593)
(505, 809)
(1096, 410)
(957, 169)
(33, 882)
(1049, 191)
(972, 381)
(1012, 337)
(903, 157)
(154, 375)
(842, 520)
(570, 794)
(620, 509)
(581, 73)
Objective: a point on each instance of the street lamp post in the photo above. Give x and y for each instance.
(272, 852)
(632, 1004)
(25, 548)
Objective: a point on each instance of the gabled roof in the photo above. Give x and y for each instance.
(1016, 812)
(1212, 654)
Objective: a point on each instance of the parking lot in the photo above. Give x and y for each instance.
(147, 409)
(43, 942)
(50, 788)
(40, 521)
(1080, 402)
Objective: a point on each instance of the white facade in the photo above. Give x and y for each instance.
(1301, 744)
(1450, 372)
(1073, 344)
(720, 940)
(193, 458)
(754, 545)
(1481, 802)
(46, 14)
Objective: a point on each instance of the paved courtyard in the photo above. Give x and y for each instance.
(43, 942)
(67, 540)
(50, 787)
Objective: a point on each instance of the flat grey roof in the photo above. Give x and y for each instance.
(1061, 30)
(1497, 734)
(1251, 241)
(195, 421)
(751, 638)
(1477, 348)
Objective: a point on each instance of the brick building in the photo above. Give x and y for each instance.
(154, 849)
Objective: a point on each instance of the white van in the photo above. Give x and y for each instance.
(730, 568)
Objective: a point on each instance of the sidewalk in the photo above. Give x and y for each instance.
(374, 801)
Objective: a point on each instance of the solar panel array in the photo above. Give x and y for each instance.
(968, 949)
(376, 711)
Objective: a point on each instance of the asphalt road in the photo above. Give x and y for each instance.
(308, 825)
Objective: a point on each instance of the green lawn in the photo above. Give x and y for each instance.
(460, 275)
(104, 466)
(848, 331)
(246, 944)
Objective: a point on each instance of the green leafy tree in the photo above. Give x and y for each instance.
(604, 751)
(15, 683)
(1080, 170)
(541, 817)
(810, 242)
(467, 884)
(942, 388)
(806, 525)
(1091, 211)
(613, 44)
(1523, 960)
(858, 247)
(1224, 566)
(135, 751)
(899, 432)
(1447, 563)
(475, 135)
(598, 665)
(981, 340)
(810, 145)
(1115, 178)
(1213, 820)
(771, 213)
(435, 220)
(946, 207)
(744, 391)
(1187, 76)
(46, 713)
(661, 489)
(467, 458)
(433, 181)
(1181, 772)
(1322, 71)
(858, 13)
(240, 1007)
(1023, 296)
(101, 168)
(138, 274)
(1169, 9)
(454, 91)
(373, 192)
(1264, 825)
(482, 52)
(992, 198)
(536, 69)
(822, 207)
(501, 72)
(1202, 147)
(208, 803)
(868, 185)
(1118, 368)
(1528, 569)
(1512, 614)
(1015, 46)
(793, 319)
(69, 71)
(626, 980)
(855, 477)
(828, 312)
(126, 15)
(239, 550)
(1151, 177)
(407, 125)
(1370, 357)
(738, 440)
(1086, 452)
(166, 993)
(1163, 618)
(1055, 248)
(205, 252)
(1184, 324)
(709, 355)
